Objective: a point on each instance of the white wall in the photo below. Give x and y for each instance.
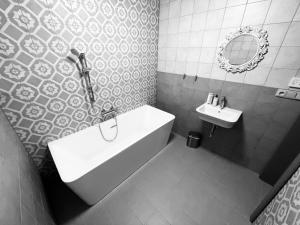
(191, 30)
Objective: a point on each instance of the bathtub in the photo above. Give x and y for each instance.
(92, 167)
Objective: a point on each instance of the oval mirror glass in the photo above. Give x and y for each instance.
(241, 49)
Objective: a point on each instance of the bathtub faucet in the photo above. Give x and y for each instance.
(108, 114)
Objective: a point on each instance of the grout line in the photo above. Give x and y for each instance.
(231, 6)
(260, 25)
(272, 66)
(244, 73)
(216, 51)
(201, 46)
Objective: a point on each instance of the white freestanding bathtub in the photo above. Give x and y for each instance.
(92, 167)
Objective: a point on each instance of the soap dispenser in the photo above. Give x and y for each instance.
(216, 100)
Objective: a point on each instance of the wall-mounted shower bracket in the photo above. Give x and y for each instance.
(84, 72)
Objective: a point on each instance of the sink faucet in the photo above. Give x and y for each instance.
(222, 102)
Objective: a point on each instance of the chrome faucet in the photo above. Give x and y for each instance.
(108, 114)
(222, 102)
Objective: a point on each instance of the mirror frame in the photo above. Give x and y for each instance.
(262, 48)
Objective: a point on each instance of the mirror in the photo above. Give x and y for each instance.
(242, 50)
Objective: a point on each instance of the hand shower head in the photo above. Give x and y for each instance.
(75, 52)
(71, 59)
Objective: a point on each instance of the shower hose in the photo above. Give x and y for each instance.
(117, 130)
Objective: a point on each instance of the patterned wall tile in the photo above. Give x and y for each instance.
(285, 207)
(42, 92)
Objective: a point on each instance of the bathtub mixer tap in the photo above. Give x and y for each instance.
(107, 115)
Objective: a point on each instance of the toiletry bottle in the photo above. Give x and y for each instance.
(210, 98)
(222, 102)
(216, 100)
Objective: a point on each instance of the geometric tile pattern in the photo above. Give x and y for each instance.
(285, 207)
(42, 94)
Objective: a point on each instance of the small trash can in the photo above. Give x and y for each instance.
(193, 139)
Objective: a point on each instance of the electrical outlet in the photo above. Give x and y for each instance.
(294, 82)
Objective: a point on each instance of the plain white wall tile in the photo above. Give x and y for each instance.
(282, 11)
(235, 2)
(269, 58)
(183, 39)
(162, 53)
(276, 33)
(218, 73)
(193, 54)
(198, 21)
(233, 16)
(161, 65)
(170, 66)
(185, 24)
(187, 7)
(173, 26)
(191, 68)
(164, 12)
(163, 2)
(236, 77)
(279, 78)
(217, 4)
(196, 39)
(181, 54)
(201, 6)
(162, 40)
(292, 37)
(163, 26)
(188, 43)
(207, 55)
(204, 69)
(172, 40)
(288, 57)
(224, 32)
(297, 16)
(171, 54)
(174, 9)
(180, 67)
(255, 13)
(257, 76)
(251, 1)
(214, 19)
(210, 38)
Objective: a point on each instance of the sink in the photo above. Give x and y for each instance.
(225, 117)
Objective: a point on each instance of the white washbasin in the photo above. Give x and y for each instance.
(225, 117)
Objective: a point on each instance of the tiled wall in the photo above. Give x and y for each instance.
(265, 123)
(41, 91)
(22, 195)
(285, 207)
(191, 30)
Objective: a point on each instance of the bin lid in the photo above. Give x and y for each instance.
(194, 134)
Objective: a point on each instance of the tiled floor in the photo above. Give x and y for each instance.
(180, 186)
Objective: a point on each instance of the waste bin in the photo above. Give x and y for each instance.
(193, 139)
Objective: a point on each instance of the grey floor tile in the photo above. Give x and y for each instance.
(157, 219)
(182, 186)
